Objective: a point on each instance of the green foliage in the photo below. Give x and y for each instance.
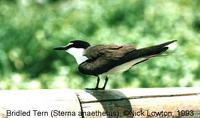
(29, 30)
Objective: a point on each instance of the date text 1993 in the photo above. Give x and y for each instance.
(185, 112)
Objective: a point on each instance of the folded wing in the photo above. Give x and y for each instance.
(103, 57)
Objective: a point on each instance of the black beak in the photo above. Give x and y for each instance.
(61, 48)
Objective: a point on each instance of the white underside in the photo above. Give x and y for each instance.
(124, 67)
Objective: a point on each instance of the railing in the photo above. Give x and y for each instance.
(119, 103)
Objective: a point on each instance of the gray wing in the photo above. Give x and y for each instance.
(103, 57)
(109, 52)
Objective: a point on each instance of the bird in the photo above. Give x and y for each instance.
(109, 59)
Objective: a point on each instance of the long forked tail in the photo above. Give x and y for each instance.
(149, 52)
(154, 50)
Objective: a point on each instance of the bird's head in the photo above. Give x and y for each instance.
(79, 44)
(75, 48)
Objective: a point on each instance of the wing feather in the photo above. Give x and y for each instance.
(109, 52)
(101, 58)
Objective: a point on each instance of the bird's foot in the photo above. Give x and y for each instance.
(100, 88)
(95, 88)
(90, 89)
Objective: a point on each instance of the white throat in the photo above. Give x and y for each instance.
(78, 54)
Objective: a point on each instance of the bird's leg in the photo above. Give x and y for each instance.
(106, 81)
(97, 85)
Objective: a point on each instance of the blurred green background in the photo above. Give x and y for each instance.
(30, 29)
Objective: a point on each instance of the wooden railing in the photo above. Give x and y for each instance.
(119, 103)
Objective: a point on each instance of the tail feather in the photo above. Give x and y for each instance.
(154, 50)
(167, 43)
(146, 53)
